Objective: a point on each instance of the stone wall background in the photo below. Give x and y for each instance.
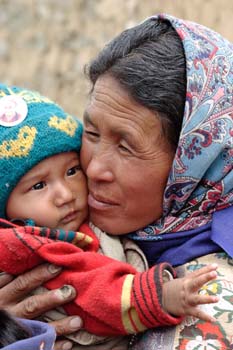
(44, 44)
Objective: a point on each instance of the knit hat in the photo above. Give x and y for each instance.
(32, 128)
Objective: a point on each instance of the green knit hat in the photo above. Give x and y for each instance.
(32, 128)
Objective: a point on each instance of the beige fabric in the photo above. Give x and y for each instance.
(120, 249)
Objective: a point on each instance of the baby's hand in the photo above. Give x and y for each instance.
(181, 296)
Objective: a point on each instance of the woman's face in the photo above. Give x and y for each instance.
(126, 159)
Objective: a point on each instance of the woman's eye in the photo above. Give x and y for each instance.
(73, 170)
(91, 134)
(38, 186)
(124, 148)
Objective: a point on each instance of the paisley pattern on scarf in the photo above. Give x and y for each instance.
(201, 178)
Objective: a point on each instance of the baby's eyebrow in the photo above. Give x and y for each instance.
(32, 178)
(75, 160)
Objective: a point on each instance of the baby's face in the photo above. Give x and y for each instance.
(53, 193)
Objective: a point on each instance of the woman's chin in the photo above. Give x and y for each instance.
(112, 226)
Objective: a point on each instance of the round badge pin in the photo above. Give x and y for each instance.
(13, 110)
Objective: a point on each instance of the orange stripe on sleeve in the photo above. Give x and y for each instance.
(130, 318)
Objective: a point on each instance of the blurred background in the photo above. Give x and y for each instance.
(44, 44)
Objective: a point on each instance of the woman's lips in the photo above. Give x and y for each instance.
(99, 203)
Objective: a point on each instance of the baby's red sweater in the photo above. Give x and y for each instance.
(112, 297)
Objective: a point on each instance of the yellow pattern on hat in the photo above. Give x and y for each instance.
(68, 125)
(21, 146)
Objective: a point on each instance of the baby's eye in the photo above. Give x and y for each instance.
(38, 186)
(73, 170)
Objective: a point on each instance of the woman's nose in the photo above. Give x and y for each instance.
(63, 194)
(100, 167)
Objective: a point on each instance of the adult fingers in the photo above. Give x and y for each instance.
(22, 285)
(36, 305)
(63, 345)
(67, 325)
(5, 278)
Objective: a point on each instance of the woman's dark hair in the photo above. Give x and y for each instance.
(148, 61)
(10, 330)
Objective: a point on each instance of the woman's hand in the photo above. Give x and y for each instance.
(14, 297)
(181, 296)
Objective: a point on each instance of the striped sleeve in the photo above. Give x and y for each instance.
(146, 297)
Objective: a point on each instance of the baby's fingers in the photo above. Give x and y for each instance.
(206, 299)
(196, 282)
(204, 270)
(202, 315)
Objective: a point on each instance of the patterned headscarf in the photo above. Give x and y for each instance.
(201, 178)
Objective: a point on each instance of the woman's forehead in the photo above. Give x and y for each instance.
(112, 104)
(108, 93)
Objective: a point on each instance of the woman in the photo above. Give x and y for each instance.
(157, 150)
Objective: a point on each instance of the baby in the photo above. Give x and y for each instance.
(43, 205)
